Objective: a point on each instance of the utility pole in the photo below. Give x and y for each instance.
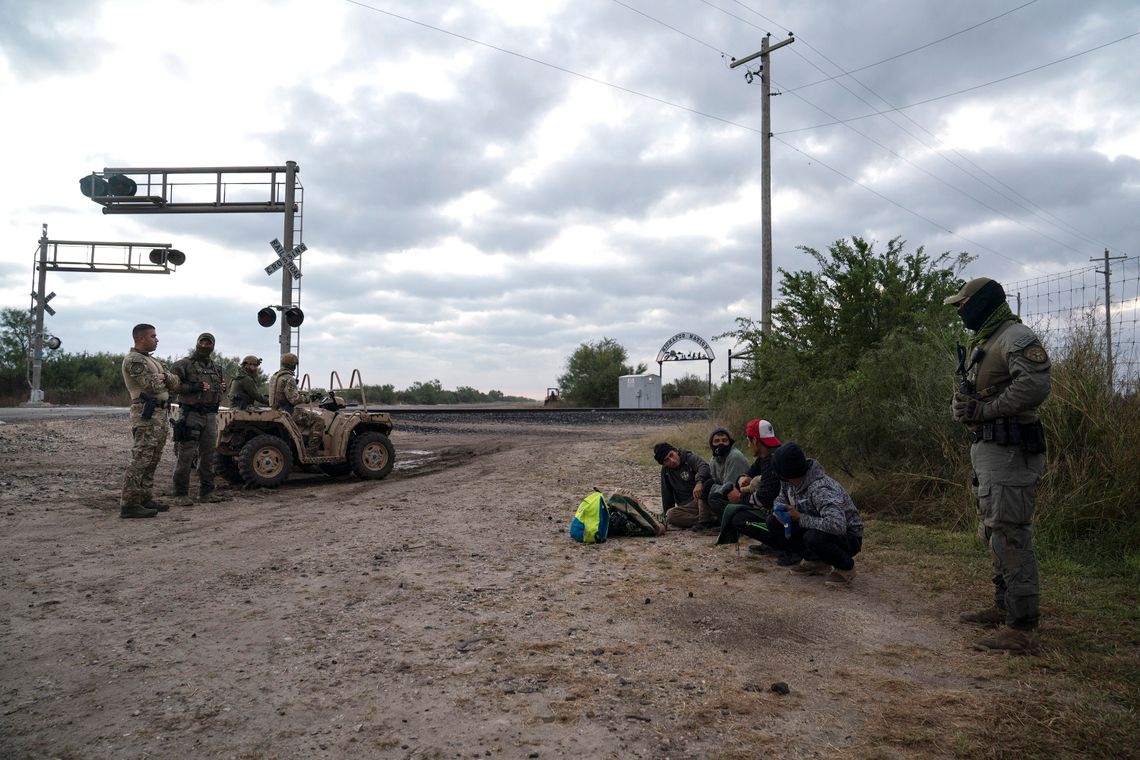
(1108, 312)
(765, 170)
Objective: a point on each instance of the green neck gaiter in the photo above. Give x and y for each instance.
(1001, 314)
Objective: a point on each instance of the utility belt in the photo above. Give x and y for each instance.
(200, 408)
(158, 403)
(1007, 431)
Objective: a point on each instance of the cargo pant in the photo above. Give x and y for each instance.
(201, 440)
(146, 451)
(686, 515)
(1005, 485)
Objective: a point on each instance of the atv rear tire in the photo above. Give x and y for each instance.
(265, 461)
(371, 456)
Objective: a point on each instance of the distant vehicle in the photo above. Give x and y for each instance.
(551, 397)
(260, 447)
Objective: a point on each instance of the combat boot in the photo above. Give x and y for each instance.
(313, 447)
(156, 505)
(993, 616)
(136, 510)
(210, 496)
(182, 500)
(1012, 640)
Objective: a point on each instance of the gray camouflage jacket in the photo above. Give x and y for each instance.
(823, 504)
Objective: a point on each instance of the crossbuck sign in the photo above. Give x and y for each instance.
(285, 258)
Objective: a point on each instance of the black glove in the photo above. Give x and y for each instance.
(195, 387)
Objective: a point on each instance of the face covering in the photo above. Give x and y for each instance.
(981, 305)
(721, 450)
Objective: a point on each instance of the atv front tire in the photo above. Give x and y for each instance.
(371, 456)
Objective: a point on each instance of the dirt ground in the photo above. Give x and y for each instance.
(443, 612)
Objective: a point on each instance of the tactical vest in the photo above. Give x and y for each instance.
(145, 383)
(193, 371)
(279, 387)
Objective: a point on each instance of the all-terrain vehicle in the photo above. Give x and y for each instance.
(259, 446)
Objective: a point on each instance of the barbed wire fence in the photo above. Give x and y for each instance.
(1059, 305)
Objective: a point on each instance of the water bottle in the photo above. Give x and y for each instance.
(785, 517)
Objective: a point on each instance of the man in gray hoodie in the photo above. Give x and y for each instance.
(814, 517)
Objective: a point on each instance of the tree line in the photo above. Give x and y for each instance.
(86, 378)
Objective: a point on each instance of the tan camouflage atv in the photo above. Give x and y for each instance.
(259, 446)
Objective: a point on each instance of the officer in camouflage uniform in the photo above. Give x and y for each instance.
(200, 390)
(1009, 379)
(283, 395)
(244, 390)
(149, 386)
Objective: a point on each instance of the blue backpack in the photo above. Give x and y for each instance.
(591, 522)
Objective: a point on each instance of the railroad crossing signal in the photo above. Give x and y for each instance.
(44, 302)
(285, 258)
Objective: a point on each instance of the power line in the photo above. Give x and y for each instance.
(1036, 210)
(966, 89)
(554, 66)
(870, 139)
(907, 52)
(893, 202)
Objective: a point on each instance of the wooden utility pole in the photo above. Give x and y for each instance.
(765, 170)
(1108, 313)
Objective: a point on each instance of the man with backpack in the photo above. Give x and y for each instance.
(685, 482)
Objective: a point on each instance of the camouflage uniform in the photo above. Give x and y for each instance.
(283, 393)
(142, 373)
(199, 420)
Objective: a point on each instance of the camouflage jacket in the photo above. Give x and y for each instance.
(823, 504)
(142, 373)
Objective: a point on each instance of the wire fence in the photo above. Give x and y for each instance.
(1058, 305)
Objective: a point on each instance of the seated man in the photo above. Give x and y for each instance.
(685, 479)
(728, 466)
(751, 505)
(284, 395)
(825, 527)
(244, 390)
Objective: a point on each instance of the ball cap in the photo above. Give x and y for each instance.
(762, 430)
(969, 289)
(251, 359)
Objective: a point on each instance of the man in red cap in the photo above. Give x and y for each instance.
(752, 501)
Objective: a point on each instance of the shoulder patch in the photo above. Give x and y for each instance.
(1036, 354)
(1024, 341)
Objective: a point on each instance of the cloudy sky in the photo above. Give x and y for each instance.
(490, 183)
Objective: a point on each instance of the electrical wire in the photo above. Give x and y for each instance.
(965, 89)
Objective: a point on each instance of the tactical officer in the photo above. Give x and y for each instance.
(283, 395)
(1005, 380)
(244, 389)
(200, 389)
(149, 386)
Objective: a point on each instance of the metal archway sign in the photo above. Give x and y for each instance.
(669, 354)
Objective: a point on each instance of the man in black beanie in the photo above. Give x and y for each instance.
(685, 482)
(1005, 381)
(814, 517)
